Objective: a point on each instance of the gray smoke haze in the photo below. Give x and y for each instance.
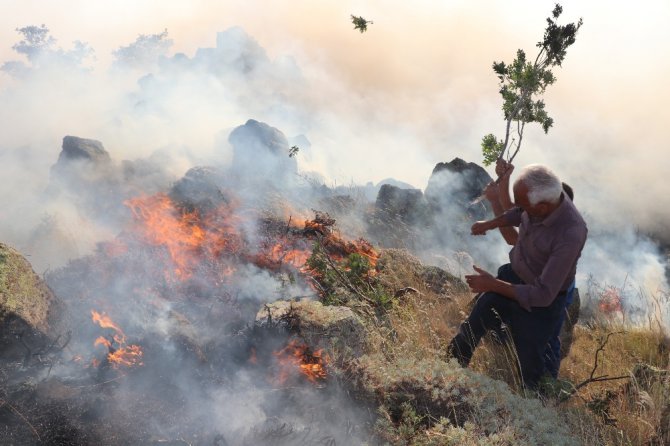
(366, 113)
(363, 109)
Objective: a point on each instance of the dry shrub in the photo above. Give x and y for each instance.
(626, 411)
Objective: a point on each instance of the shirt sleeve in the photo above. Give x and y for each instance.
(512, 216)
(545, 288)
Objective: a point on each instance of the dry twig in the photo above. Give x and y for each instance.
(592, 378)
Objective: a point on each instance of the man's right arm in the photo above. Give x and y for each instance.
(481, 227)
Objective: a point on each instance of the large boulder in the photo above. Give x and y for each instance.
(406, 205)
(453, 187)
(334, 328)
(81, 149)
(261, 153)
(82, 162)
(201, 189)
(399, 218)
(85, 170)
(29, 311)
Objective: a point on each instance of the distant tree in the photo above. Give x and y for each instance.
(360, 23)
(39, 48)
(36, 40)
(522, 81)
(144, 51)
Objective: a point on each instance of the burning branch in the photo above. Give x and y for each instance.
(311, 364)
(124, 355)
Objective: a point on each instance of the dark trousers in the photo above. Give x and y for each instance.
(530, 330)
(552, 354)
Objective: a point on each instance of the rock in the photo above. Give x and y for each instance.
(331, 327)
(29, 311)
(260, 152)
(82, 163)
(407, 205)
(85, 171)
(81, 149)
(400, 218)
(199, 189)
(399, 269)
(454, 185)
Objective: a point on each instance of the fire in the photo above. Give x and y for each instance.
(298, 356)
(609, 302)
(123, 355)
(188, 238)
(293, 250)
(296, 257)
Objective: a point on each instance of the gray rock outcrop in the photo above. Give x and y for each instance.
(334, 328)
(454, 185)
(29, 311)
(261, 153)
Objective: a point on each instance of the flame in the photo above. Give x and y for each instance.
(297, 356)
(296, 257)
(124, 355)
(105, 321)
(188, 238)
(610, 302)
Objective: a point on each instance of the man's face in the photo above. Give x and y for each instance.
(540, 210)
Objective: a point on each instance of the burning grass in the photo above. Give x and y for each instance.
(179, 266)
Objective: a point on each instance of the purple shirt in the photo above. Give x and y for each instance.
(546, 253)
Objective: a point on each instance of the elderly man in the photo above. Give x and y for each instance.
(529, 293)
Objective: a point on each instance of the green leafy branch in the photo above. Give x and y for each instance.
(522, 81)
(360, 23)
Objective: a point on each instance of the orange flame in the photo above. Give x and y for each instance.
(188, 238)
(124, 355)
(609, 302)
(295, 257)
(297, 356)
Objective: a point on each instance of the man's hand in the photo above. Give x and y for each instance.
(480, 282)
(504, 169)
(480, 227)
(484, 281)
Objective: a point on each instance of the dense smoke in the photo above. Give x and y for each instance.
(177, 111)
(232, 112)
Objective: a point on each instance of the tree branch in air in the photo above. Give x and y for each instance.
(523, 82)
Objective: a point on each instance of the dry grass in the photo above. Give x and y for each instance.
(616, 412)
(633, 409)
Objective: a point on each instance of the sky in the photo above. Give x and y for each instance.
(420, 80)
(414, 90)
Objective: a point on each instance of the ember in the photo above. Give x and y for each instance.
(122, 355)
(298, 356)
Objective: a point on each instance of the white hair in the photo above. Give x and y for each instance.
(543, 184)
